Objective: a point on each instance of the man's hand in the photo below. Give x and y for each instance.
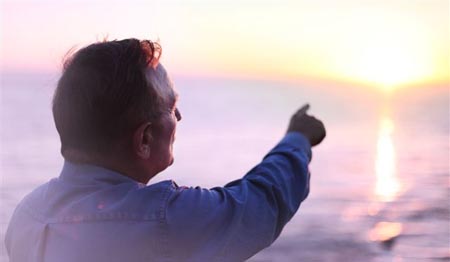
(309, 126)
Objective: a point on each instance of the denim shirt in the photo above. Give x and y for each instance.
(90, 213)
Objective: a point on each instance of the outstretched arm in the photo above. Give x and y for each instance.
(236, 221)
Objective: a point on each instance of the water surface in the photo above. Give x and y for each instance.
(380, 181)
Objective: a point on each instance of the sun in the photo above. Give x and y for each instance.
(388, 53)
(389, 65)
(396, 51)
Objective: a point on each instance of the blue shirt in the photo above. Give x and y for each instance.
(90, 213)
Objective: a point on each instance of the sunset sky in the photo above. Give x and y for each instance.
(382, 43)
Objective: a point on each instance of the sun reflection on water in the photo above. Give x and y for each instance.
(387, 184)
(384, 231)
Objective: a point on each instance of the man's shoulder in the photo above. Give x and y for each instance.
(156, 191)
(33, 202)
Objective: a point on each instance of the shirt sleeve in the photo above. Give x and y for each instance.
(234, 222)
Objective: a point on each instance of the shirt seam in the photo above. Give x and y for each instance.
(163, 222)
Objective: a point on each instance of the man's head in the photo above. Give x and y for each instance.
(113, 101)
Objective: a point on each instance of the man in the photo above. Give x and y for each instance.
(115, 111)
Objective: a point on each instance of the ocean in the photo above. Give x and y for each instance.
(380, 187)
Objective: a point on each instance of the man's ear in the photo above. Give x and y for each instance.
(142, 140)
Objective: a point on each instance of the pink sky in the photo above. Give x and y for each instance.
(384, 43)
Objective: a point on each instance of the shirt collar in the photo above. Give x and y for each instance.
(87, 173)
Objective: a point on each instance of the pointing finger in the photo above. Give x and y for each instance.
(302, 110)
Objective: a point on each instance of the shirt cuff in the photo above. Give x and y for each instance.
(296, 141)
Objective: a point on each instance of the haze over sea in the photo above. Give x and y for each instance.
(380, 181)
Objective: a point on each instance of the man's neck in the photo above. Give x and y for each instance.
(117, 164)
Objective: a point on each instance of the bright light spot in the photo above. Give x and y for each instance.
(389, 65)
(384, 231)
(387, 185)
(388, 53)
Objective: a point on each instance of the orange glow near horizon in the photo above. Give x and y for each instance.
(383, 44)
(377, 46)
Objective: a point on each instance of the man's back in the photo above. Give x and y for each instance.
(89, 214)
(93, 214)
